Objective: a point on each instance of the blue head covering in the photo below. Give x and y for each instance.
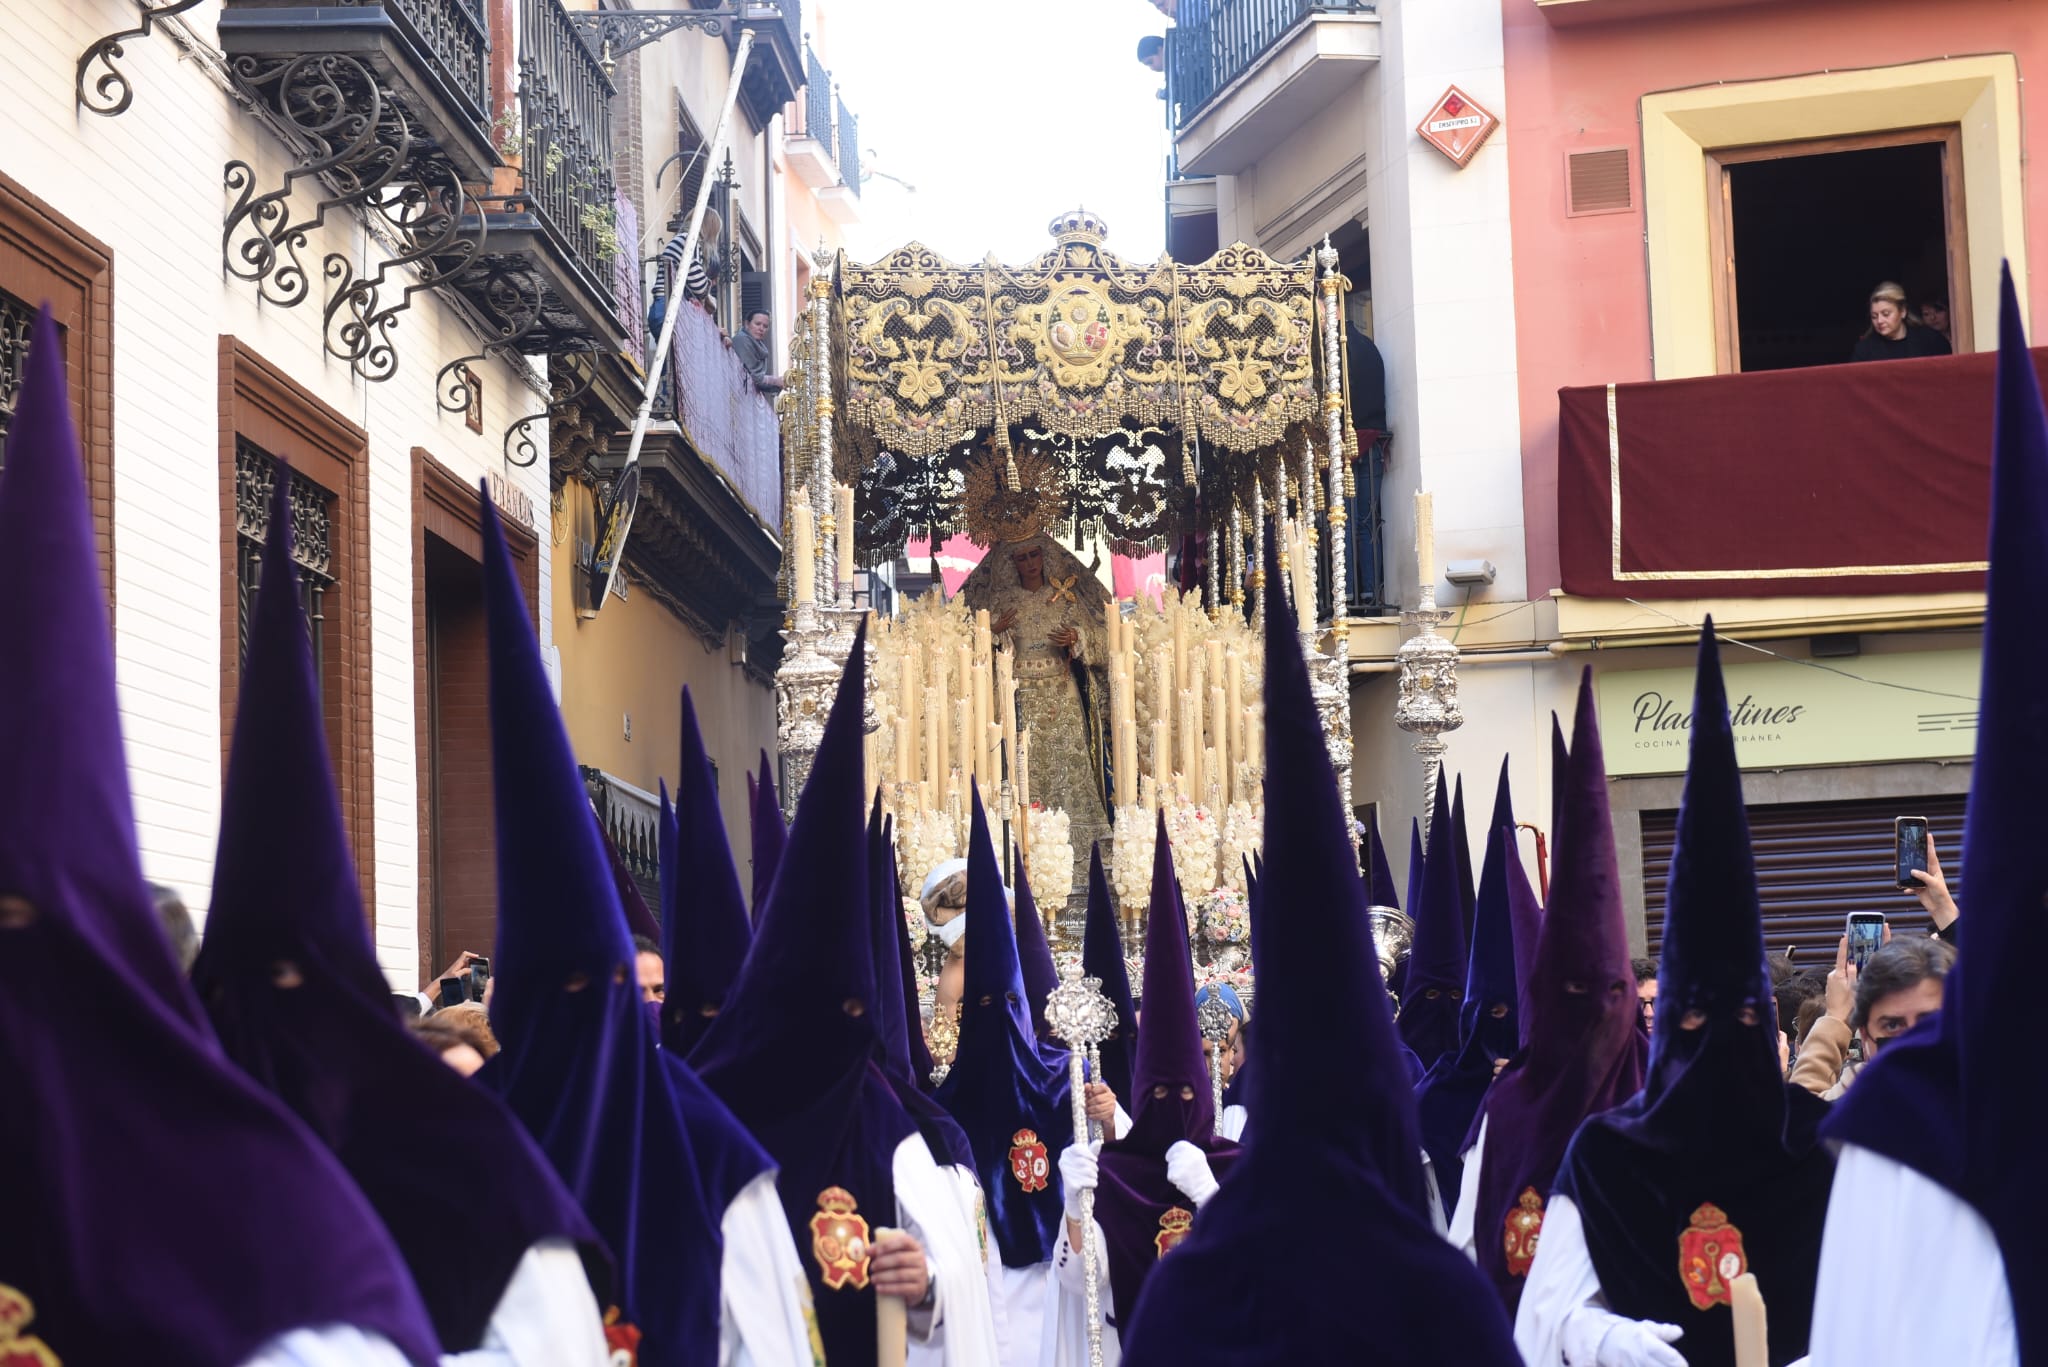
(1716, 1132)
(796, 1051)
(704, 934)
(1102, 956)
(1488, 1020)
(1584, 1054)
(1005, 1091)
(146, 1174)
(1330, 1184)
(651, 1157)
(1435, 980)
(290, 979)
(1954, 1100)
(1383, 892)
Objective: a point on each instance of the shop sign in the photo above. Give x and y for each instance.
(1791, 714)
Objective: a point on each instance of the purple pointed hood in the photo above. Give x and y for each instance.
(1034, 960)
(1435, 981)
(1417, 858)
(1461, 850)
(1102, 956)
(796, 1052)
(652, 1158)
(1382, 890)
(1007, 1093)
(1171, 1101)
(1715, 1122)
(1332, 1126)
(1941, 1099)
(1488, 1029)
(291, 981)
(896, 1003)
(1584, 1054)
(770, 834)
(119, 1234)
(704, 929)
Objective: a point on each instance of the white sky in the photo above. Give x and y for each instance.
(1003, 113)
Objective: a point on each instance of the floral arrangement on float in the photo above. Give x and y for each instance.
(1192, 830)
(1050, 858)
(1130, 865)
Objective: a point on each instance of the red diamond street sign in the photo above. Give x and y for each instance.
(1455, 126)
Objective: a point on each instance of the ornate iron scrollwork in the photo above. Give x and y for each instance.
(360, 141)
(519, 436)
(110, 94)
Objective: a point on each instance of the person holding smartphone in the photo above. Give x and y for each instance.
(1932, 892)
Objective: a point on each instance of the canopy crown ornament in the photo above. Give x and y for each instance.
(1078, 225)
(995, 511)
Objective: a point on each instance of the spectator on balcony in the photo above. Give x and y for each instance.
(751, 345)
(1152, 51)
(1934, 315)
(696, 278)
(1894, 333)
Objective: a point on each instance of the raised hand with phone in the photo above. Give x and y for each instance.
(1927, 885)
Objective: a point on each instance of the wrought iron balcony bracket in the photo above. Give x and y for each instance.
(110, 94)
(520, 448)
(611, 34)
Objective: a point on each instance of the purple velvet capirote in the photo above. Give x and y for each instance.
(290, 979)
(1461, 850)
(1317, 1247)
(896, 1002)
(1715, 1122)
(1583, 1053)
(704, 929)
(1434, 984)
(146, 1175)
(1034, 957)
(769, 833)
(1488, 1020)
(796, 1051)
(651, 1156)
(1381, 889)
(1002, 1084)
(1140, 1211)
(1953, 1100)
(1102, 957)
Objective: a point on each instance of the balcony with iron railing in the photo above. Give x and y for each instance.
(1242, 75)
(824, 143)
(728, 419)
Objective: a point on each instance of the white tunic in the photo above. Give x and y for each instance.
(1066, 1324)
(1909, 1273)
(1027, 1299)
(961, 1320)
(763, 1291)
(1435, 1194)
(547, 1317)
(1462, 1219)
(967, 1189)
(1231, 1127)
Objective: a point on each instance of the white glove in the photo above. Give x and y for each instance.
(1080, 1170)
(1601, 1338)
(1187, 1167)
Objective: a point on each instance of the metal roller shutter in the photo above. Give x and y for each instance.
(1815, 863)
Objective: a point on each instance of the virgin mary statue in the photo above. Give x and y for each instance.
(1047, 607)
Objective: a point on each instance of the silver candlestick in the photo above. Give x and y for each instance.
(1080, 1017)
(1428, 705)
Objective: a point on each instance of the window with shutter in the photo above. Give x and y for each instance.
(1815, 863)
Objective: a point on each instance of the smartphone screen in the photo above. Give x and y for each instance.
(454, 991)
(1866, 936)
(479, 974)
(1912, 849)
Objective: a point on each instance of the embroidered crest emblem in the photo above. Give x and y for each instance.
(839, 1240)
(1173, 1227)
(17, 1348)
(1710, 1258)
(621, 1340)
(1027, 1160)
(981, 1226)
(1518, 1238)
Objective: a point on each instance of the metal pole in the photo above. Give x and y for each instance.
(659, 360)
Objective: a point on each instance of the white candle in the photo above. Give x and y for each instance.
(1425, 539)
(803, 564)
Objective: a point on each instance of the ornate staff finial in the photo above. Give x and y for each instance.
(1214, 1020)
(1081, 1018)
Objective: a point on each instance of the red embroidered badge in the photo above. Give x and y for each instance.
(1028, 1162)
(1710, 1258)
(1518, 1238)
(17, 1348)
(621, 1341)
(839, 1240)
(1173, 1227)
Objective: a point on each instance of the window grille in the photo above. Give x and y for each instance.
(312, 508)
